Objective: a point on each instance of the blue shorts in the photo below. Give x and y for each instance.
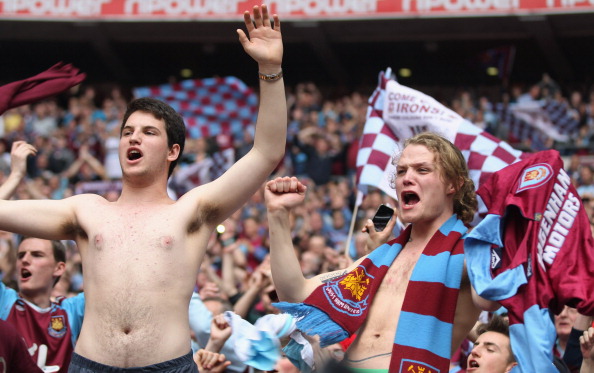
(183, 364)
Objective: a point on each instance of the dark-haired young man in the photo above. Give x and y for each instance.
(492, 351)
(45, 325)
(141, 253)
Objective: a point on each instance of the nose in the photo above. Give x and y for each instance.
(134, 138)
(475, 352)
(25, 258)
(406, 177)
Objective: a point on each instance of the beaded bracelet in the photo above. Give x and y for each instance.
(270, 77)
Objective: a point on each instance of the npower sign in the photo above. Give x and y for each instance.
(231, 10)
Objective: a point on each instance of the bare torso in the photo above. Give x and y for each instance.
(373, 345)
(140, 265)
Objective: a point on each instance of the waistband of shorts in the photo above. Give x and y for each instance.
(85, 363)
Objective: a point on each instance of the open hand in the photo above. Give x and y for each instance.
(264, 43)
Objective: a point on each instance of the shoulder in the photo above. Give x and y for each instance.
(8, 297)
(74, 301)
(85, 200)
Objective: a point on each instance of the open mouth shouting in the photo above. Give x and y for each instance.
(409, 199)
(25, 274)
(473, 364)
(134, 154)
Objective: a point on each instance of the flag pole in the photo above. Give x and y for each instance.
(353, 219)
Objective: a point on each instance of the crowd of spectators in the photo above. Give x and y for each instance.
(77, 137)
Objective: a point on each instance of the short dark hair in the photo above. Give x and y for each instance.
(499, 325)
(174, 123)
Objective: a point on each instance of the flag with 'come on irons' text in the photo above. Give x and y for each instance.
(396, 113)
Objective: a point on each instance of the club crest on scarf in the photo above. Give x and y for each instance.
(349, 294)
(410, 366)
(535, 176)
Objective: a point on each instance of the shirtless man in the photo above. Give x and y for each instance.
(433, 175)
(141, 253)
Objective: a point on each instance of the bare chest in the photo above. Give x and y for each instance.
(130, 230)
(138, 245)
(396, 279)
(376, 336)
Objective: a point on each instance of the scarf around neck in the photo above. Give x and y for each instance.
(337, 308)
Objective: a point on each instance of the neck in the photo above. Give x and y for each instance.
(147, 191)
(422, 231)
(143, 196)
(40, 300)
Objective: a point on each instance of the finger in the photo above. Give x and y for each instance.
(212, 359)
(271, 185)
(16, 144)
(287, 185)
(26, 149)
(368, 226)
(587, 337)
(243, 39)
(265, 17)
(276, 22)
(294, 186)
(257, 16)
(247, 19)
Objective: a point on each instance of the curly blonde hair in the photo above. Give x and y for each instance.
(453, 169)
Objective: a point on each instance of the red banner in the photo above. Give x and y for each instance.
(231, 10)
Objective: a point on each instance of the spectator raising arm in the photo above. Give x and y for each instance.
(18, 167)
(587, 346)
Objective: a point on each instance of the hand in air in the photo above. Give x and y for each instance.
(265, 43)
(284, 193)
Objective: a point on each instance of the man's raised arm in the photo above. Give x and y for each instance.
(18, 167)
(264, 44)
(282, 195)
(47, 219)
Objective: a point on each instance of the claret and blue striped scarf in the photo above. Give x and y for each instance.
(337, 308)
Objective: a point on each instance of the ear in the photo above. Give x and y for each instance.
(59, 269)
(509, 367)
(451, 188)
(173, 153)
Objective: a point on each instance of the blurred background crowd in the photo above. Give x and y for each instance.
(77, 135)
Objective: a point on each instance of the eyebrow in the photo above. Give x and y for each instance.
(21, 253)
(491, 344)
(128, 126)
(418, 164)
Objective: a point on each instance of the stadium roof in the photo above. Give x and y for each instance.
(347, 53)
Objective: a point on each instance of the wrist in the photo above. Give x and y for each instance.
(269, 68)
(270, 77)
(214, 345)
(277, 210)
(16, 175)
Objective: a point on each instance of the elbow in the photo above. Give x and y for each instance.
(486, 305)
